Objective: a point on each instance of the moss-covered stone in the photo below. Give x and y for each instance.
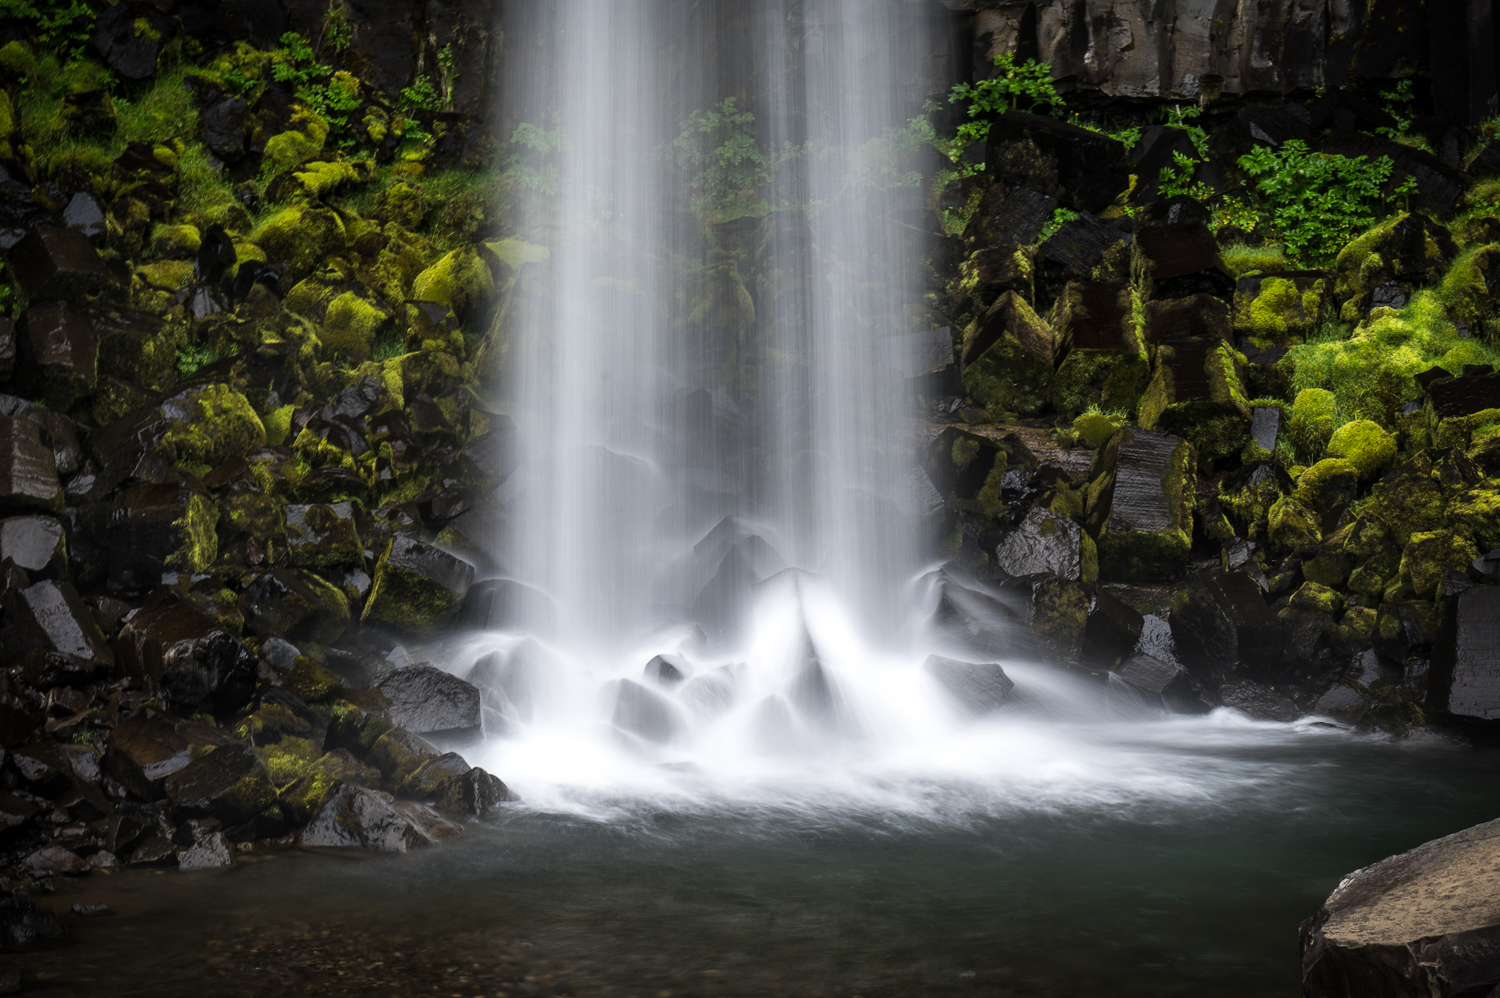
(317, 179)
(1281, 309)
(404, 204)
(1409, 247)
(1007, 359)
(1471, 290)
(167, 275)
(461, 280)
(1311, 596)
(1356, 629)
(417, 588)
(1197, 393)
(352, 325)
(311, 682)
(1313, 415)
(1292, 527)
(1327, 485)
(1140, 506)
(180, 241)
(1364, 444)
(1059, 615)
(300, 237)
(1328, 568)
(210, 425)
(1427, 556)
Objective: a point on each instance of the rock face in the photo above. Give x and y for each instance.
(977, 688)
(1421, 924)
(1467, 673)
(426, 700)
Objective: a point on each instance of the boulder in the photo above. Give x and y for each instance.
(504, 604)
(57, 264)
(36, 544)
(426, 700)
(1196, 316)
(1197, 393)
(1265, 426)
(1220, 620)
(28, 468)
(1140, 505)
(223, 126)
(51, 617)
(1439, 185)
(23, 921)
(1007, 359)
(666, 671)
(229, 783)
(57, 355)
(212, 851)
(1260, 125)
(1282, 308)
(144, 750)
(324, 536)
(979, 688)
(1008, 217)
(1047, 544)
(155, 529)
(129, 37)
(1464, 396)
(969, 469)
(1112, 632)
(1420, 924)
(398, 754)
(1082, 169)
(1082, 248)
(1175, 261)
(1407, 250)
(1102, 358)
(417, 587)
(645, 713)
(356, 818)
(1159, 682)
(189, 656)
(989, 273)
(1466, 666)
(975, 618)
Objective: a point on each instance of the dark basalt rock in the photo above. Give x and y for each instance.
(1009, 217)
(417, 587)
(1265, 425)
(355, 818)
(1152, 153)
(977, 620)
(1466, 665)
(426, 700)
(1007, 358)
(1419, 924)
(216, 255)
(666, 671)
(212, 851)
(23, 921)
(1182, 260)
(158, 528)
(230, 783)
(1341, 703)
(1260, 126)
(1079, 246)
(645, 713)
(129, 38)
(324, 536)
(1112, 631)
(84, 214)
(1043, 544)
(223, 128)
(189, 656)
(1221, 620)
(36, 544)
(979, 688)
(1141, 517)
(504, 604)
(1463, 396)
(1196, 316)
(1439, 186)
(57, 264)
(57, 355)
(143, 751)
(1158, 682)
(51, 616)
(1083, 170)
(279, 603)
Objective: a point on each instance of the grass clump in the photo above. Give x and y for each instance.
(1242, 259)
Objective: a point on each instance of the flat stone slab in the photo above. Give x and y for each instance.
(1424, 923)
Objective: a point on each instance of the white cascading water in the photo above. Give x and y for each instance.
(727, 493)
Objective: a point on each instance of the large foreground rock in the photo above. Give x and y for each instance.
(426, 700)
(1425, 923)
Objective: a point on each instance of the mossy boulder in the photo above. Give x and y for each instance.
(1313, 415)
(1426, 557)
(317, 179)
(179, 241)
(1098, 339)
(1292, 527)
(1471, 290)
(417, 587)
(1007, 359)
(1320, 599)
(1197, 393)
(1283, 308)
(1139, 505)
(351, 326)
(1364, 444)
(404, 204)
(1410, 248)
(1059, 614)
(299, 237)
(462, 280)
(1093, 429)
(1327, 485)
(209, 425)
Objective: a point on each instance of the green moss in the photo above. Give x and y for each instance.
(252, 794)
(1093, 429)
(197, 528)
(287, 759)
(461, 280)
(1141, 555)
(220, 425)
(402, 203)
(1292, 527)
(310, 681)
(1312, 421)
(1110, 379)
(1242, 260)
(351, 326)
(301, 236)
(176, 240)
(290, 148)
(1364, 444)
(1357, 626)
(322, 178)
(1013, 373)
(1059, 614)
(1327, 568)
(278, 424)
(1476, 512)
(303, 798)
(1328, 484)
(1428, 555)
(407, 601)
(1311, 596)
(167, 275)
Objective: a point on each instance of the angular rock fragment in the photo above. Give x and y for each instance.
(1282, 308)
(1464, 396)
(1221, 620)
(428, 701)
(979, 688)
(1196, 316)
(1047, 544)
(504, 604)
(189, 656)
(356, 818)
(417, 587)
(645, 713)
(1007, 359)
(324, 536)
(1260, 126)
(28, 468)
(230, 783)
(1197, 393)
(143, 751)
(211, 852)
(1419, 923)
(1140, 505)
(990, 273)
(1466, 668)
(1103, 361)
(51, 617)
(129, 38)
(23, 921)
(36, 544)
(159, 528)
(975, 619)
(1009, 217)
(59, 265)
(1083, 248)
(1112, 631)
(1159, 682)
(1082, 169)
(1175, 261)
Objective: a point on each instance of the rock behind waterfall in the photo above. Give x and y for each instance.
(426, 700)
(1425, 923)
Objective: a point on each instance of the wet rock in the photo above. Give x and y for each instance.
(57, 355)
(1083, 248)
(645, 713)
(1083, 170)
(1342, 704)
(23, 921)
(129, 38)
(666, 671)
(1220, 620)
(1196, 316)
(426, 700)
(1175, 261)
(1464, 396)
(504, 604)
(283, 603)
(223, 128)
(1139, 508)
(979, 688)
(1254, 126)
(230, 783)
(989, 274)
(143, 751)
(1197, 393)
(356, 818)
(1103, 361)
(56, 859)
(1407, 628)
(398, 753)
(1417, 924)
(1265, 425)
(976, 619)
(84, 214)
(51, 263)
(189, 656)
(211, 852)
(215, 257)
(1112, 632)
(1410, 249)
(1257, 700)
(36, 544)
(51, 617)
(484, 793)
(324, 536)
(1159, 682)
(155, 529)
(16, 811)
(1007, 358)
(1009, 217)
(1466, 668)
(417, 587)
(1047, 544)
(28, 468)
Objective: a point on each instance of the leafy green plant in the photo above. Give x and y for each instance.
(1315, 202)
(1181, 116)
(1024, 87)
(60, 27)
(337, 33)
(1398, 104)
(190, 358)
(1177, 180)
(731, 167)
(1060, 217)
(421, 96)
